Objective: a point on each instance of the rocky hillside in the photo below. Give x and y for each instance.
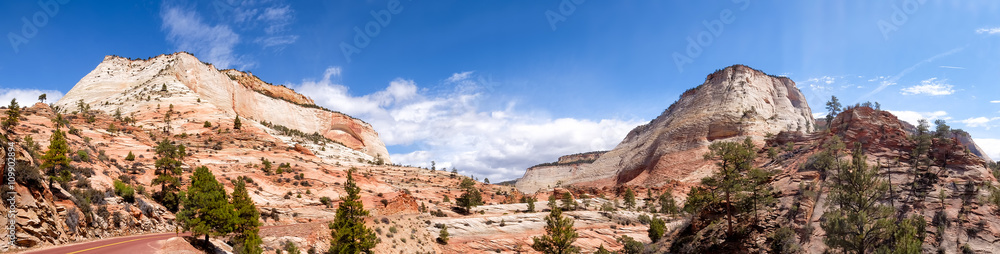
(731, 104)
(203, 93)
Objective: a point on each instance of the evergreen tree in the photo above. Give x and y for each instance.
(857, 222)
(237, 124)
(629, 198)
(559, 235)
(833, 108)
(531, 203)
(759, 192)
(942, 129)
(443, 235)
(667, 203)
(55, 160)
(247, 223)
(552, 201)
(168, 172)
(733, 159)
(348, 230)
(568, 203)
(486, 180)
(471, 197)
(602, 250)
(13, 115)
(130, 156)
(206, 211)
(657, 227)
(42, 98)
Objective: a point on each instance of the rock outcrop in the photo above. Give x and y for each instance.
(732, 103)
(180, 79)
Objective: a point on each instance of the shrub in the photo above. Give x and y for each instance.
(125, 191)
(207, 124)
(130, 156)
(83, 155)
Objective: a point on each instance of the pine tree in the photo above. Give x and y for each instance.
(833, 108)
(486, 180)
(348, 231)
(42, 98)
(443, 235)
(55, 159)
(13, 115)
(130, 156)
(247, 224)
(168, 172)
(471, 197)
(667, 203)
(857, 221)
(759, 192)
(629, 198)
(206, 211)
(531, 203)
(559, 235)
(237, 124)
(568, 203)
(733, 159)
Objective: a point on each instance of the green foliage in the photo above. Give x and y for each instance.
(698, 198)
(471, 197)
(858, 222)
(559, 235)
(55, 159)
(290, 248)
(443, 235)
(629, 198)
(130, 156)
(326, 201)
(237, 124)
(942, 129)
(83, 155)
(602, 250)
(206, 211)
(315, 137)
(348, 231)
(833, 108)
(42, 98)
(783, 241)
(207, 124)
(531, 203)
(733, 159)
(568, 204)
(657, 227)
(168, 172)
(125, 191)
(246, 222)
(667, 203)
(13, 115)
(631, 245)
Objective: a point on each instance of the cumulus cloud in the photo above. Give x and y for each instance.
(454, 130)
(912, 116)
(27, 97)
(977, 122)
(212, 43)
(991, 30)
(930, 86)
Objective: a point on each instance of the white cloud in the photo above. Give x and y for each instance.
(27, 97)
(213, 44)
(912, 116)
(995, 101)
(991, 30)
(930, 87)
(952, 67)
(819, 115)
(453, 130)
(977, 122)
(990, 146)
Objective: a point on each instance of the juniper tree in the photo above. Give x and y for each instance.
(237, 124)
(348, 231)
(559, 235)
(206, 211)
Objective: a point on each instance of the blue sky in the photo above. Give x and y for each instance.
(492, 87)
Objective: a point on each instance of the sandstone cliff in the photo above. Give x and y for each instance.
(180, 79)
(731, 104)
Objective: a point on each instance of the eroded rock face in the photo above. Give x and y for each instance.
(180, 79)
(732, 104)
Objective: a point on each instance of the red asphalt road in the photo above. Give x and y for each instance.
(139, 244)
(121, 245)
